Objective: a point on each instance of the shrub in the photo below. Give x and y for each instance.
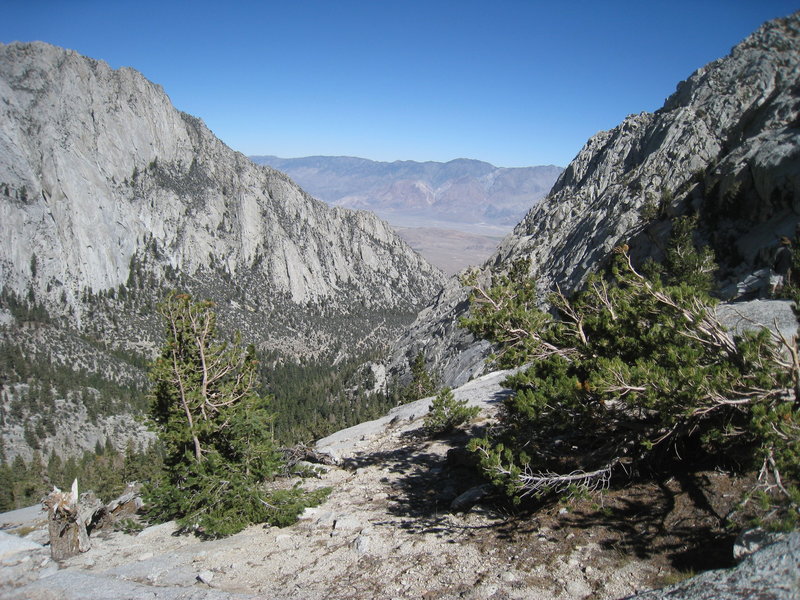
(633, 372)
(446, 413)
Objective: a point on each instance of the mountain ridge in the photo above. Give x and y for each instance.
(411, 193)
(110, 197)
(154, 166)
(724, 147)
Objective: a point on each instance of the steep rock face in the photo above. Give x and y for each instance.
(95, 164)
(725, 145)
(109, 197)
(452, 355)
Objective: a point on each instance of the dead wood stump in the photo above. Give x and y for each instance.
(67, 529)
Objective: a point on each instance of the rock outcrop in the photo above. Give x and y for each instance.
(452, 354)
(772, 573)
(725, 146)
(109, 197)
(97, 166)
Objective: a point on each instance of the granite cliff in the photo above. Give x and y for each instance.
(725, 146)
(97, 164)
(109, 196)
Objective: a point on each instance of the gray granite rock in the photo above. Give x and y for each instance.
(122, 168)
(776, 315)
(772, 573)
(486, 391)
(12, 544)
(752, 540)
(206, 577)
(452, 354)
(23, 517)
(471, 497)
(724, 145)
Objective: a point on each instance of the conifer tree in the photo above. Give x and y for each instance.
(214, 428)
(422, 384)
(636, 370)
(446, 413)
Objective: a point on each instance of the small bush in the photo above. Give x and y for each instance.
(446, 413)
(129, 526)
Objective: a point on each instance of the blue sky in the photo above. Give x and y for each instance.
(511, 82)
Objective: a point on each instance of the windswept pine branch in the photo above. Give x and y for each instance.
(632, 371)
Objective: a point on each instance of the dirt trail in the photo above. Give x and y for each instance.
(386, 531)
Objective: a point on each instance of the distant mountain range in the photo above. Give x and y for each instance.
(467, 195)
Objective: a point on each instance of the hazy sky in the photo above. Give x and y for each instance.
(511, 82)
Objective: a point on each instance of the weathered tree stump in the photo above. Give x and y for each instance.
(67, 530)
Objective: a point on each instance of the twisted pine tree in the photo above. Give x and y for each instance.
(215, 430)
(636, 370)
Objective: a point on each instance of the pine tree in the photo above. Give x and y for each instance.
(214, 427)
(636, 373)
(7, 481)
(446, 413)
(422, 384)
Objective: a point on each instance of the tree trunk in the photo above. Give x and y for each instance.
(67, 530)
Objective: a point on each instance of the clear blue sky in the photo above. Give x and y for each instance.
(507, 81)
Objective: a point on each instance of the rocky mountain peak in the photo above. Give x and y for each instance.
(725, 146)
(727, 137)
(109, 198)
(99, 164)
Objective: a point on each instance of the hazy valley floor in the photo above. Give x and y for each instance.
(449, 249)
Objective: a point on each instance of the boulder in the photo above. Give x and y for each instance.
(776, 315)
(772, 573)
(470, 498)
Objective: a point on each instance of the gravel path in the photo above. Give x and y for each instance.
(386, 531)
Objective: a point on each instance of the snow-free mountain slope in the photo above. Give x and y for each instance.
(110, 197)
(96, 164)
(725, 145)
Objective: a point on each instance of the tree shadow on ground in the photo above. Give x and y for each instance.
(425, 482)
(678, 520)
(671, 518)
(429, 480)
